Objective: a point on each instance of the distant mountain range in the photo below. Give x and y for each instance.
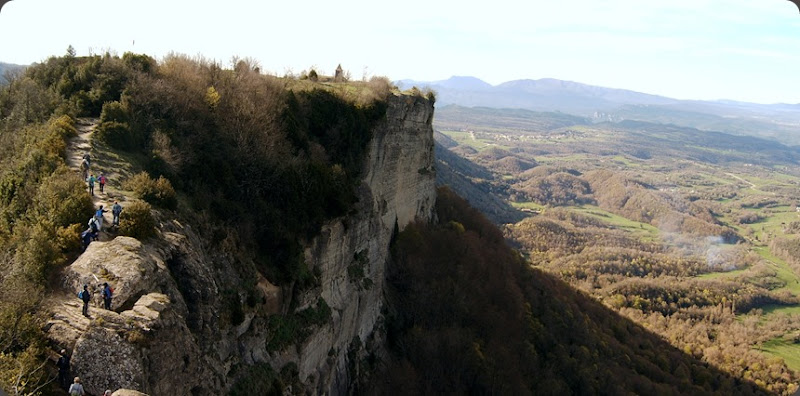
(779, 122)
(546, 94)
(4, 67)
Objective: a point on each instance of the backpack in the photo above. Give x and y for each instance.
(80, 294)
(93, 224)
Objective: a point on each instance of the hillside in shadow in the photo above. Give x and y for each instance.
(468, 316)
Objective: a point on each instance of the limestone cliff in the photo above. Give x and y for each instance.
(169, 331)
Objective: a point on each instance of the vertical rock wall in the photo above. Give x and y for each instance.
(352, 253)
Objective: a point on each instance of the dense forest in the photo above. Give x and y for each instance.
(468, 316)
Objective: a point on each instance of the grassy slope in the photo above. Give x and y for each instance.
(787, 350)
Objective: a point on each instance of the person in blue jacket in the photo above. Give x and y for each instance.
(108, 292)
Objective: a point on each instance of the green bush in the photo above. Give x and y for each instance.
(285, 330)
(68, 238)
(38, 253)
(62, 199)
(117, 134)
(158, 192)
(64, 126)
(114, 111)
(115, 127)
(139, 62)
(137, 221)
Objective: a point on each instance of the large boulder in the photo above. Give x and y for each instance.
(130, 267)
(121, 351)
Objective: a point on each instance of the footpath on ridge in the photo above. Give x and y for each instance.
(103, 335)
(102, 162)
(114, 349)
(65, 306)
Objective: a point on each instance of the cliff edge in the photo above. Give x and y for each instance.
(170, 330)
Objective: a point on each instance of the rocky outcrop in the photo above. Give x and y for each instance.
(169, 330)
(351, 253)
(143, 342)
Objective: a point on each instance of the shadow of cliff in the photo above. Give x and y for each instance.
(466, 315)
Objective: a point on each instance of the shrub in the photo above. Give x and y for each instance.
(38, 252)
(114, 111)
(116, 128)
(117, 135)
(749, 218)
(137, 221)
(139, 62)
(381, 87)
(64, 126)
(68, 238)
(61, 199)
(158, 192)
(22, 371)
(212, 98)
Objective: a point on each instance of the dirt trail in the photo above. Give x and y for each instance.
(67, 323)
(77, 148)
(752, 185)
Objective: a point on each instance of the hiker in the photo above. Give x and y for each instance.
(91, 181)
(76, 389)
(88, 158)
(86, 296)
(116, 210)
(102, 181)
(63, 370)
(94, 227)
(87, 237)
(108, 292)
(99, 216)
(85, 169)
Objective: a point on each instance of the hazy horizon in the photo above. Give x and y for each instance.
(742, 50)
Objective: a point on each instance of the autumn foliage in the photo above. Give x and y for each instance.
(468, 316)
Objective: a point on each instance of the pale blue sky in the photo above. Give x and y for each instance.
(688, 49)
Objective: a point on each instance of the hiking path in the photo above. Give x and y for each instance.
(103, 161)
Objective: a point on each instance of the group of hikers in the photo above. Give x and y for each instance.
(91, 179)
(86, 296)
(73, 386)
(95, 225)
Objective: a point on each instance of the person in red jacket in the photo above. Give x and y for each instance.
(102, 181)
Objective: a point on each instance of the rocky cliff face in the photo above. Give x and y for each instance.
(352, 253)
(169, 331)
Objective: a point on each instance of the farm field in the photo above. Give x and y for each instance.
(686, 233)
